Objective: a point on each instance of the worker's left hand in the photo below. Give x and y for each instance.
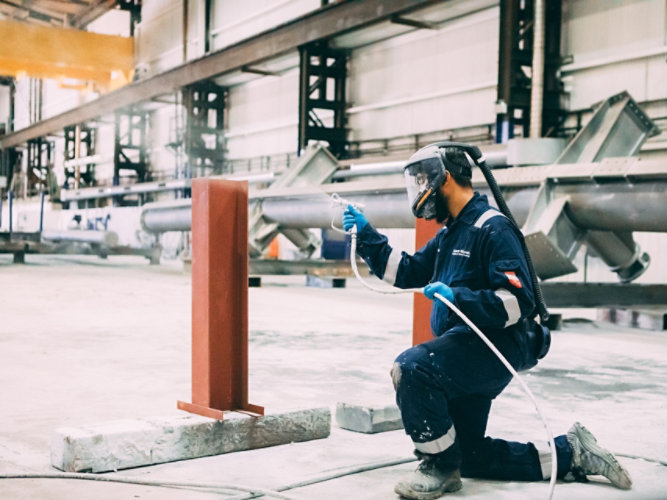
(440, 288)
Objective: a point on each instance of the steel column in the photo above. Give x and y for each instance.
(86, 148)
(321, 70)
(40, 164)
(134, 8)
(130, 145)
(219, 299)
(514, 70)
(10, 158)
(421, 308)
(204, 105)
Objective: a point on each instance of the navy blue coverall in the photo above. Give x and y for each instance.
(444, 387)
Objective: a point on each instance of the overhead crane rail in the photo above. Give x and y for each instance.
(330, 21)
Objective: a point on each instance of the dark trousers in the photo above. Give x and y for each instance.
(451, 381)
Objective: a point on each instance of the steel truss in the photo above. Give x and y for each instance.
(204, 135)
(323, 72)
(40, 164)
(130, 145)
(86, 149)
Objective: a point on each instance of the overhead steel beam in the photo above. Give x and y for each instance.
(322, 24)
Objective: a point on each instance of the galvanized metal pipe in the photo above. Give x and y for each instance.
(164, 217)
(620, 252)
(383, 210)
(388, 210)
(618, 208)
(103, 238)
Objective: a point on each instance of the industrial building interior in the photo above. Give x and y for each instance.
(113, 113)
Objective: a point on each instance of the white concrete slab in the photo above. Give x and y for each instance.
(124, 444)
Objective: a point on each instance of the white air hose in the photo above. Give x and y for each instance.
(459, 313)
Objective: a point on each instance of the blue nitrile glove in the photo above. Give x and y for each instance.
(352, 216)
(432, 288)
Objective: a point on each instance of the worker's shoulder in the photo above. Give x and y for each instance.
(491, 219)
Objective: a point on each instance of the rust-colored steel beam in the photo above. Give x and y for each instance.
(421, 309)
(219, 299)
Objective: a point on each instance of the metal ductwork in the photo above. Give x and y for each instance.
(600, 214)
(595, 193)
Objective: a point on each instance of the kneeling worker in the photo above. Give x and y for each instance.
(444, 387)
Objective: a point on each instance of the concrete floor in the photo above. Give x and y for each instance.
(84, 340)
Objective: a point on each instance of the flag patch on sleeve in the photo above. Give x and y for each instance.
(513, 279)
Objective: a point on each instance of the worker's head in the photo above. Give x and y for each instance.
(433, 175)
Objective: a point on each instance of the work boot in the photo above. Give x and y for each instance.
(590, 459)
(429, 482)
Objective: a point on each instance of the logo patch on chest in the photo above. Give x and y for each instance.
(513, 279)
(461, 253)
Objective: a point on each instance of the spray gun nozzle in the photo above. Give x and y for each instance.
(337, 200)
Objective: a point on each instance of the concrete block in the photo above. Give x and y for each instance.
(133, 443)
(368, 420)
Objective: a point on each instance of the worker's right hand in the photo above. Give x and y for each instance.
(352, 216)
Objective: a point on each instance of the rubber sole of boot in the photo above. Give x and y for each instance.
(404, 490)
(589, 443)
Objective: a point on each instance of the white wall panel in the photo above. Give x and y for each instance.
(162, 131)
(593, 85)
(656, 76)
(22, 103)
(615, 46)
(596, 28)
(159, 37)
(263, 116)
(112, 22)
(426, 80)
(233, 20)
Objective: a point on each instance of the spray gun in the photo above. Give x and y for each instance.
(337, 201)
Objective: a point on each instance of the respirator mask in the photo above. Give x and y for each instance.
(424, 173)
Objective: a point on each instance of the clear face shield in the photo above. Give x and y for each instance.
(423, 177)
